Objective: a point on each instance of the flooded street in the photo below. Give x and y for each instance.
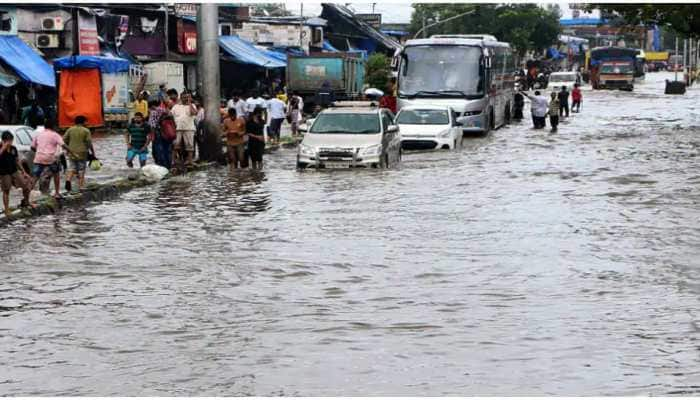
(526, 263)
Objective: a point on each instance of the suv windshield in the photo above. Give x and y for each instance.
(350, 123)
(423, 117)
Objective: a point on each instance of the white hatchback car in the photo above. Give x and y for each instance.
(428, 128)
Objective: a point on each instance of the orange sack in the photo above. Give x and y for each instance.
(80, 93)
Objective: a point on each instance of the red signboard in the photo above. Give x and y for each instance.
(87, 35)
(189, 41)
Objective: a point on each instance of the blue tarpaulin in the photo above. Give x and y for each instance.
(26, 62)
(554, 53)
(327, 46)
(293, 50)
(276, 54)
(107, 65)
(581, 21)
(246, 53)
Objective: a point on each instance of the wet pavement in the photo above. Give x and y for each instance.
(524, 263)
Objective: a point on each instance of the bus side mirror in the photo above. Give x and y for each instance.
(394, 63)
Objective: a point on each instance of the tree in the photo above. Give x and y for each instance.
(377, 71)
(525, 26)
(682, 18)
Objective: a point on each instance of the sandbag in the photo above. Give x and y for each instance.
(154, 172)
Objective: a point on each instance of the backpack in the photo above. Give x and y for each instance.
(168, 130)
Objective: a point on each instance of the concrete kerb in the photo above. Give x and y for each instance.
(96, 192)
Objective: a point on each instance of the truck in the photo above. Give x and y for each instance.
(612, 67)
(164, 72)
(345, 72)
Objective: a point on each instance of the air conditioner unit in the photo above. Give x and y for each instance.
(52, 24)
(225, 29)
(316, 37)
(47, 41)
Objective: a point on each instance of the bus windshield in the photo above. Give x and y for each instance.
(441, 71)
(616, 69)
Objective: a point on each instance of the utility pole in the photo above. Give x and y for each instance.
(301, 25)
(685, 60)
(675, 62)
(208, 71)
(166, 32)
(439, 22)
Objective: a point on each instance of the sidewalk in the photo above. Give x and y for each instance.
(113, 177)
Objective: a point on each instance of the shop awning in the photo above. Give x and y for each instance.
(246, 53)
(27, 63)
(278, 55)
(104, 64)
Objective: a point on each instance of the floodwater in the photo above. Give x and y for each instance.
(524, 263)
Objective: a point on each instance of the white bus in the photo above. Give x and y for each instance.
(472, 74)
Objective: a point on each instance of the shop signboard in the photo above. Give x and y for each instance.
(88, 45)
(374, 20)
(115, 93)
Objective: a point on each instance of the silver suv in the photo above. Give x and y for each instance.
(351, 137)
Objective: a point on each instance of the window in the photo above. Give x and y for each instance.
(424, 117)
(387, 119)
(23, 136)
(350, 123)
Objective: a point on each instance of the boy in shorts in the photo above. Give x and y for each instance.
(11, 172)
(79, 141)
(46, 145)
(138, 137)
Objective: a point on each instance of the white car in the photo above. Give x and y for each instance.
(23, 140)
(559, 79)
(428, 128)
(350, 137)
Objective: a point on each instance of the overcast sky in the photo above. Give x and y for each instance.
(393, 11)
(399, 12)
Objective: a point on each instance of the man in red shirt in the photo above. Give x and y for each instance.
(576, 98)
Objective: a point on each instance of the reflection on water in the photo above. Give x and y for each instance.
(525, 263)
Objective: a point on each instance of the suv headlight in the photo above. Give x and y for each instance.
(444, 134)
(307, 150)
(471, 113)
(374, 150)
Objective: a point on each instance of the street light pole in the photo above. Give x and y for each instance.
(440, 22)
(208, 71)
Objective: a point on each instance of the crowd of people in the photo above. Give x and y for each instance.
(168, 122)
(48, 147)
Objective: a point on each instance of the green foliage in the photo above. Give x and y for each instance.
(525, 26)
(377, 71)
(682, 18)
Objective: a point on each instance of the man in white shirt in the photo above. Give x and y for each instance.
(538, 107)
(184, 114)
(276, 108)
(252, 103)
(238, 104)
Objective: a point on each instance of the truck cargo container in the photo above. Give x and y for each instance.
(345, 72)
